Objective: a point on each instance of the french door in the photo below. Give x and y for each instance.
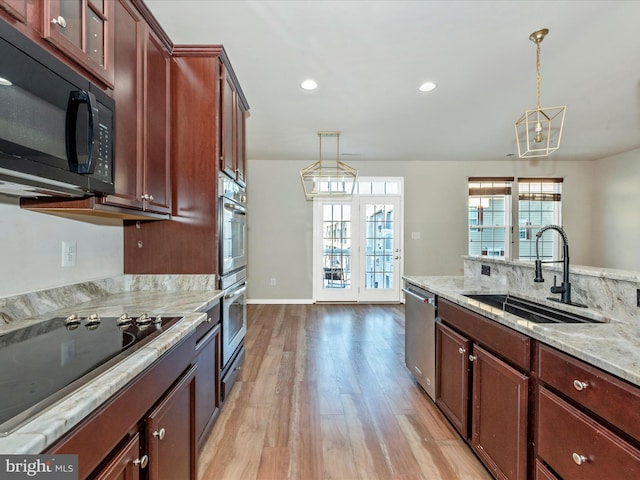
(357, 255)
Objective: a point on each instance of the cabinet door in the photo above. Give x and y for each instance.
(16, 8)
(126, 464)
(241, 159)
(228, 161)
(157, 183)
(83, 30)
(452, 382)
(128, 96)
(207, 382)
(170, 433)
(500, 412)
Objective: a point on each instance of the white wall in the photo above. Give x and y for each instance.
(617, 208)
(31, 249)
(280, 219)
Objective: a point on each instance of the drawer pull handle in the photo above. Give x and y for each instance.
(461, 351)
(579, 459)
(579, 385)
(159, 434)
(141, 461)
(473, 358)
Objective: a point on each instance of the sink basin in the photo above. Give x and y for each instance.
(529, 310)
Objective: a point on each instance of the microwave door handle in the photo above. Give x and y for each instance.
(77, 98)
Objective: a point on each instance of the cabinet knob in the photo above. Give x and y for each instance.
(148, 197)
(59, 21)
(473, 358)
(209, 319)
(159, 434)
(142, 462)
(580, 385)
(461, 351)
(579, 459)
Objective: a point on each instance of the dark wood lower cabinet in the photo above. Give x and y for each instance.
(170, 433)
(208, 400)
(534, 412)
(126, 463)
(452, 381)
(500, 415)
(482, 390)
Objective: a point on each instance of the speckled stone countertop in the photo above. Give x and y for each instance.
(613, 346)
(188, 300)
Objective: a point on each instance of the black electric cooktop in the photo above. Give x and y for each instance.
(41, 363)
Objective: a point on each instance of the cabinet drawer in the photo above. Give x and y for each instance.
(608, 397)
(508, 343)
(577, 447)
(213, 319)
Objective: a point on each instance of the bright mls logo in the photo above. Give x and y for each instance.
(50, 467)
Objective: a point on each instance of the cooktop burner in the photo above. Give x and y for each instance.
(41, 363)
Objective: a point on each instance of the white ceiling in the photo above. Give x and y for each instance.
(369, 57)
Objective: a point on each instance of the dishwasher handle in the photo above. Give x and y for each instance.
(424, 299)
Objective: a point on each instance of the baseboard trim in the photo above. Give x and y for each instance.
(278, 301)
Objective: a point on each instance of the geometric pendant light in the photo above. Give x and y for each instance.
(539, 131)
(328, 178)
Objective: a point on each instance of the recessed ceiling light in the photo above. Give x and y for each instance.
(427, 86)
(309, 84)
(5, 82)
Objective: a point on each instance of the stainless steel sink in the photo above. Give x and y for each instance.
(530, 310)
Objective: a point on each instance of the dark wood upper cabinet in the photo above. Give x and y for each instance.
(142, 125)
(234, 107)
(16, 8)
(84, 31)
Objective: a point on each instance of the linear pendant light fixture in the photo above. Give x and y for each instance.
(539, 131)
(328, 178)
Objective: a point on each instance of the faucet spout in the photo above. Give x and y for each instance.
(565, 287)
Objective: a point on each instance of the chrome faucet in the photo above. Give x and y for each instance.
(565, 287)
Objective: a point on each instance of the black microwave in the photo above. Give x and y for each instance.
(56, 127)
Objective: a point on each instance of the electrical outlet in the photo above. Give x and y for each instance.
(273, 282)
(69, 253)
(485, 270)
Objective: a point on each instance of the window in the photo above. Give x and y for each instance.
(490, 216)
(539, 202)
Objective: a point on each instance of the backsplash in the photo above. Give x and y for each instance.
(612, 292)
(23, 307)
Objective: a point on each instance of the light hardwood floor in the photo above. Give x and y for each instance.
(324, 394)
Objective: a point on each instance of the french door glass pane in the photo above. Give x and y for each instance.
(336, 243)
(379, 246)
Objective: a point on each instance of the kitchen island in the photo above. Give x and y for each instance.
(613, 346)
(538, 400)
(185, 296)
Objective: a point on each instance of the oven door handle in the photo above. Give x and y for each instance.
(235, 208)
(235, 293)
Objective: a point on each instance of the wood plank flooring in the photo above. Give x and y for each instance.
(324, 394)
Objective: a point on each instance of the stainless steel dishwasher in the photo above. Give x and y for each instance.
(420, 336)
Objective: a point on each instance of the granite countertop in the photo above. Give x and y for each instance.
(613, 346)
(47, 426)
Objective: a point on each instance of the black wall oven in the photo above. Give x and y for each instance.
(56, 128)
